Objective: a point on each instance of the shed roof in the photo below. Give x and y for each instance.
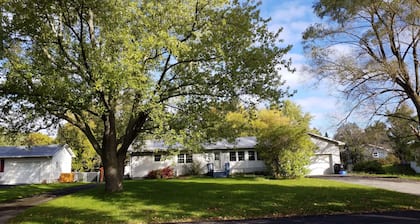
(30, 152)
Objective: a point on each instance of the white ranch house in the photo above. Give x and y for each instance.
(36, 164)
(240, 156)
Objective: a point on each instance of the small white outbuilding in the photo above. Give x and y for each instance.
(35, 164)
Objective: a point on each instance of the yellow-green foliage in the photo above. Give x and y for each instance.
(283, 143)
(86, 157)
(282, 136)
(38, 139)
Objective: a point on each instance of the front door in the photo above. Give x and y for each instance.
(217, 161)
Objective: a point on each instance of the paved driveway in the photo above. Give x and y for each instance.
(393, 184)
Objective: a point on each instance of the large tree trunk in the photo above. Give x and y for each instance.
(112, 170)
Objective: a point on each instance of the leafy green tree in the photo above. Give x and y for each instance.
(376, 134)
(133, 68)
(400, 133)
(283, 140)
(7, 138)
(86, 157)
(355, 140)
(37, 138)
(282, 135)
(370, 48)
(18, 139)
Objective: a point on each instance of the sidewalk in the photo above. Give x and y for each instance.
(11, 209)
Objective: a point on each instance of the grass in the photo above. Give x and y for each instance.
(215, 199)
(22, 191)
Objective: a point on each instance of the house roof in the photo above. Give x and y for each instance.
(239, 143)
(377, 147)
(339, 143)
(31, 152)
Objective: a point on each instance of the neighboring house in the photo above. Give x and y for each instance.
(35, 164)
(415, 166)
(377, 152)
(240, 156)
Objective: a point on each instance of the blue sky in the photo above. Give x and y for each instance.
(320, 99)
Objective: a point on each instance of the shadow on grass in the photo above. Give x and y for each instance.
(190, 200)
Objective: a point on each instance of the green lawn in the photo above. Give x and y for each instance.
(22, 191)
(213, 199)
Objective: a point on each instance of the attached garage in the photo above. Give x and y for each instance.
(326, 155)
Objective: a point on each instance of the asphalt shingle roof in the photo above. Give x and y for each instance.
(28, 152)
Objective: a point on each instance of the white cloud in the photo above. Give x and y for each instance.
(293, 16)
(314, 97)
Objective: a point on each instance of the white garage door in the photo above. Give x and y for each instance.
(320, 165)
(19, 172)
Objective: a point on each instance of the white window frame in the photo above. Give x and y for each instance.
(235, 156)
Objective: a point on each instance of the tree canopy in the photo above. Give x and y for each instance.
(120, 70)
(282, 136)
(402, 138)
(283, 141)
(370, 49)
(86, 158)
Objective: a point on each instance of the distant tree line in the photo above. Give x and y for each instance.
(393, 133)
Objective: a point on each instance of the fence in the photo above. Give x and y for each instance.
(86, 176)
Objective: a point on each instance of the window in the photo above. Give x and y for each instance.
(181, 158)
(217, 156)
(232, 156)
(158, 157)
(251, 155)
(376, 155)
(241, 155)
(189, 158)
(1, 165)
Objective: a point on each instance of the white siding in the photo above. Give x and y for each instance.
(62, 161)
(244, 166)
(142, 165)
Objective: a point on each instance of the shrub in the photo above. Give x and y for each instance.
(165, 173)
(389, 160)
(193, 168)
(399, 169)
(374, 167)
